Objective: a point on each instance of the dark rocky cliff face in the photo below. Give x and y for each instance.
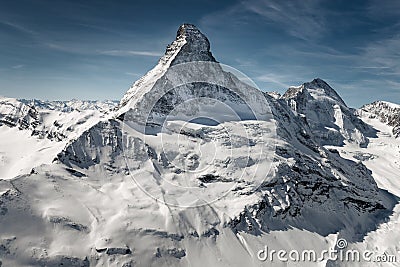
(196, 48)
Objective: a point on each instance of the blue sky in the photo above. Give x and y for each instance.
(52, 49)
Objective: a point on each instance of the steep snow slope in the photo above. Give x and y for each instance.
(55, 120)
(386, 112)
(91, 210)
(14, 113)
(382, 157)
(175, 179)
(190, 45)
(33, 133)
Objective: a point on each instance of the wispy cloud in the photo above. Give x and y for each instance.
(245, 62)
(131, 53)
(383, 8)
(73, 49)
(360, 92)
(98, 28)
(274, 79)
(384, 54)
(18, 27)
(133, 74)
(394, 84)
(18, 66)
(303, 19)
(117, 52)
(370, 67)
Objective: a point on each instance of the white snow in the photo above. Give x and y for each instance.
(58, 122)
(385, 167)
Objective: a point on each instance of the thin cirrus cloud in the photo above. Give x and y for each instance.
(115, 52)
(384, 54)
(305, 19)
(274, 79)
(18, 27)
(131, 53)
(383, 8)
(46, 42)
(302, 19)
(18, 66)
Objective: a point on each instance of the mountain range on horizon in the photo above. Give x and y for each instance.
(194, 167)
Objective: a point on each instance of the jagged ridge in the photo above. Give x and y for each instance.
(190, 45)
(331, 121)
(386, 112)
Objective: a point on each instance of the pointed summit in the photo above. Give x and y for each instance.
(316, 88)
(186, 30)
(324, 88)
(190, 45)
(326, 113)
(195, 48)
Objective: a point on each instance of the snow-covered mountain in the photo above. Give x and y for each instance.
(14, 113)
(198, 168)
(70, 105)
(32, 132)
(386, 112)
(190, 45)
(40, 116)
(325, 112)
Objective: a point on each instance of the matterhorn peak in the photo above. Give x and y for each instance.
(188, 29)
(190, 45)
(196, 45)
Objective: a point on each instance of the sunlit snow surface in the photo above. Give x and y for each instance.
(198, 163)
(33, 132)
(382, 157)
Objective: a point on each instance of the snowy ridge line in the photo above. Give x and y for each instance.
(34, 133)
(190, 45)
(386, 112)
(71, 105)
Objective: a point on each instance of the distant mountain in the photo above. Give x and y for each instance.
(51, 119)
(386, 112)
(14, 113)
(331, 121)
(71, 105)
(34, 131)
